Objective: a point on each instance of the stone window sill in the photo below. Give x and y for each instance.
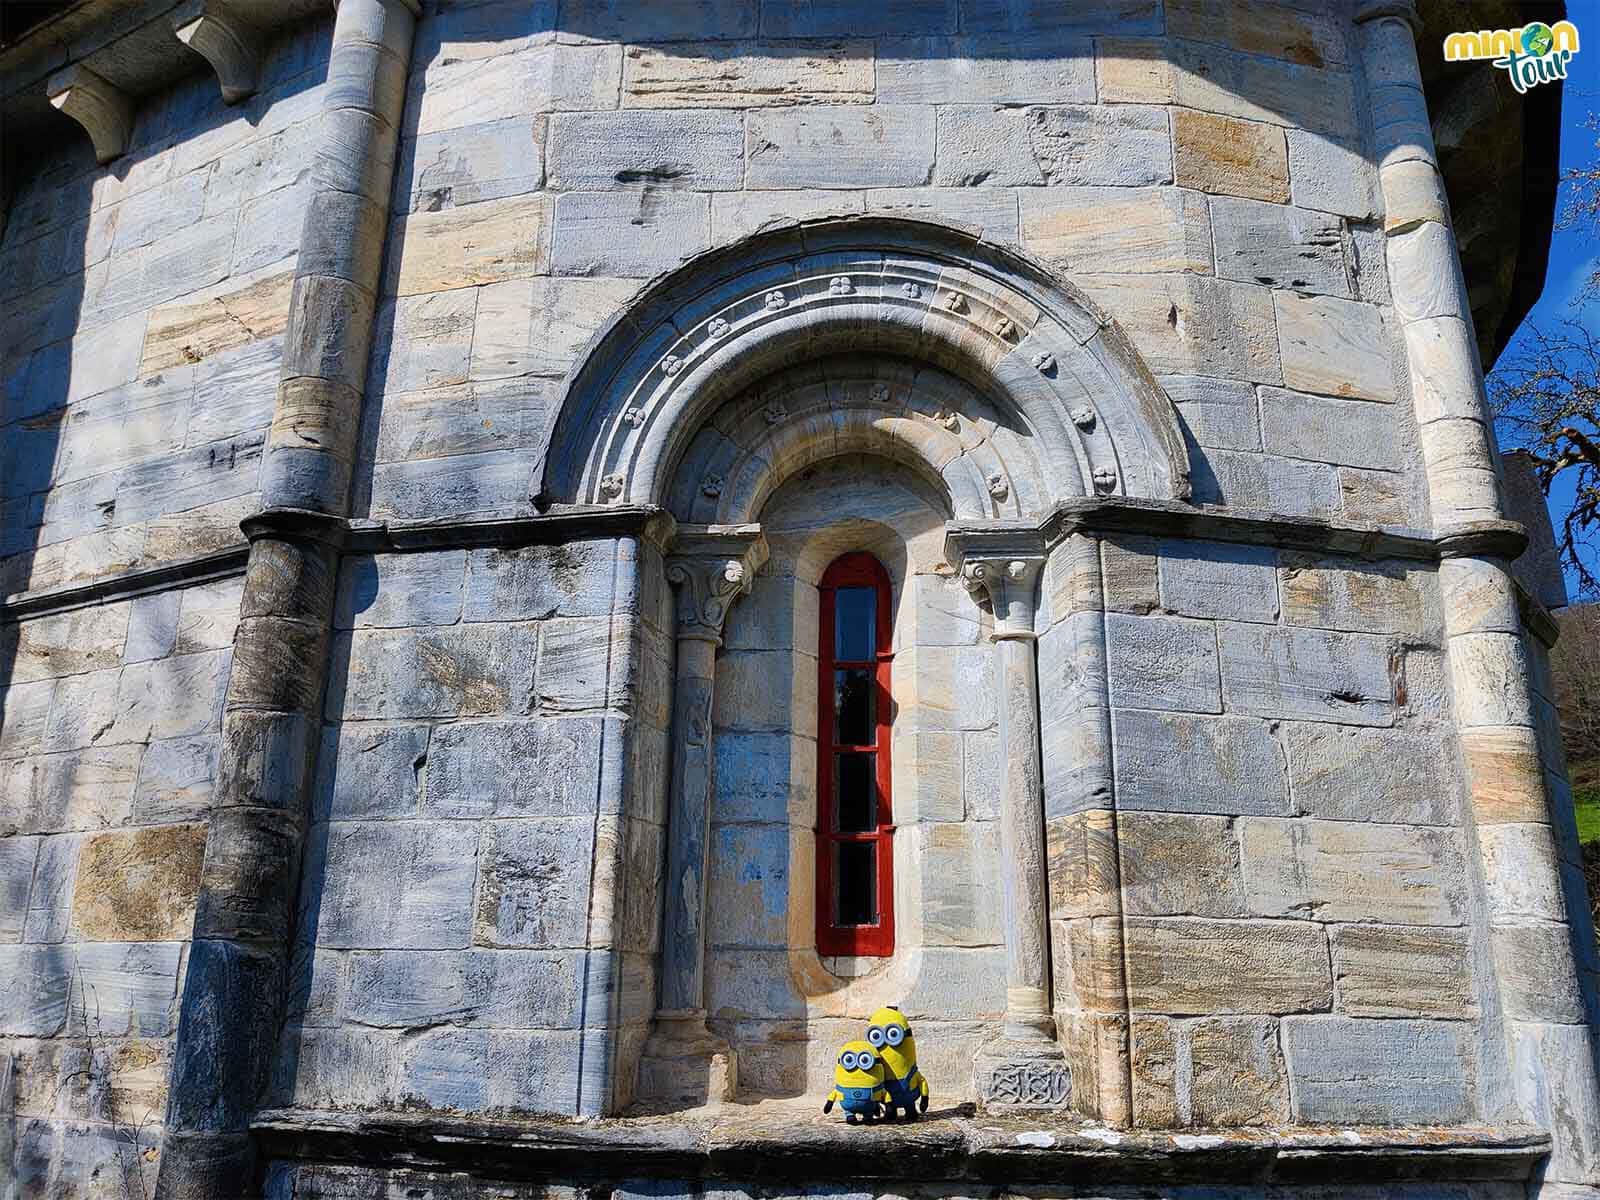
(785, 1139)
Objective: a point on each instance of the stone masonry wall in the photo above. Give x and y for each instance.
(107, 757)
(1299, 904)
(145, 306)
(462, 935)
(1201, 177)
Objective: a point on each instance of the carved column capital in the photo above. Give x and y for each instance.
(1377, 10)
(102, 108)
(1002, 563)
(712, 566)
(229, 43)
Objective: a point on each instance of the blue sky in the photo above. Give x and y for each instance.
(1573, 252)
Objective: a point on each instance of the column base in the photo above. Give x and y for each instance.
(1022, 1072)
(685, 1063)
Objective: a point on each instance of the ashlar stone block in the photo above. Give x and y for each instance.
(1394, 971)
(749, 881)
(35, 1003)
(1350, 433)
(1193, 324)
(429, 340)
(1349, 871)
(475, 244)
(1236, 1073)
(570, 579)
(139, 885)
(473, 163)
(539, 326)
(1356, 1071)
(399, 884)
(742, 75)
(1387, 597)
(1343, 773)
(17, 856)
(1334, 347)
(1280, 246)
(1194, 967)
(534, 890)
(1327, 173)
(1163, 663)
(1133, 70)
(985, 69)
(1179, 865)
(1116, 230)
(1179, 763)
(122, 990)
(1219, 580)
(1227, 156)
(1307, 674)
(840, 146)
(538, 767)
(455, 671)
(627, 234)
(700, 149)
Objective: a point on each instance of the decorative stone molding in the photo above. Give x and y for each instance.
(1026, 1082)
(712, 566)
(231, 45)
(1000, 317)
(1007, 575)
(104, 110)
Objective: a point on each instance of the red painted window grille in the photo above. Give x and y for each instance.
(855, 821)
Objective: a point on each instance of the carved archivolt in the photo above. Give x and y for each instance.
(1059, 374)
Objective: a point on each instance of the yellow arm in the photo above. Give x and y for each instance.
(833, 1098)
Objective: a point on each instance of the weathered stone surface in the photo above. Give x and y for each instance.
(1295, 33)
(1507, 777)
(209, 617)
(956, 688)
(573, 579)
(17, 856)
(394, 884)
(1226, 156)
(138, 886)
(1536, 966)
(1058, 145)
(1162, 663)
(35, 1003)
(1261, 89)
(453, 434)
(1205, 967)
(880, 146)
(735, 75)
(1267, 482)
(984, 69)
(1130, 575)
(1179, 865)
(480, 243)
(473, 163)
(960, 907)
(535, 887)
(1356, 1071)
(1352, 433)
(1307, 674)
(522, 989)
(1522, 861)
(699, 150)
(627, 234)
(738, 214)
(531, 768)
(1348, 871)
(1333, 347)
(192, 330)
(1227, 765)
(836, 18)
(1236, 1073)
(539, 326)
(1484, 668)
(1554, 1072)
(1279, 246)
(748, 870)
(125, 990)
(370, 772)
(1219, 580)
(397, 590)
(584, 663)
(429, 340)
(1118, 229)
(1193, 324)
(1373, 598)
(69, 643)
(456, 671)
(1342, 773)
(176, 778)
(1389, 971)
(1134, 70)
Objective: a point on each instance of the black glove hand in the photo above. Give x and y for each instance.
(827, 1106)
(922, 1102)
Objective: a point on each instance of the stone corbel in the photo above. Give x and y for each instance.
(229, 43)
(103, 109)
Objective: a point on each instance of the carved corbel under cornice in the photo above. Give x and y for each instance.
(102, 108)
(712, 566)
(229, 43)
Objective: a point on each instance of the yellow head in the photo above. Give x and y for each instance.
(890, 1035)
(858, 1065)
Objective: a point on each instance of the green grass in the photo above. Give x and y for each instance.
(1588, 802)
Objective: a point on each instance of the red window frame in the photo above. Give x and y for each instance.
(857, 569)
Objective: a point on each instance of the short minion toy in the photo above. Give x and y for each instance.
(858, 1084)
(890, 1035)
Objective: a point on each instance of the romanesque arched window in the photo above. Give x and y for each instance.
(855, 821)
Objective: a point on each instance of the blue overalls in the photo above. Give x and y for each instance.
(858, 1100)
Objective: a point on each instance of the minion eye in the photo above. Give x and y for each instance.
(895, 1034)
(864, 1060)
(874, 1035)
(847, 1060)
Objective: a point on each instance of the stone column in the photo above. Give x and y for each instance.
(1552, 1073)
(1024, 1065)
(683, 1062)
(232, 1006)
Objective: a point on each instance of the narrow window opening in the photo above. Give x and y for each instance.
(855, 823)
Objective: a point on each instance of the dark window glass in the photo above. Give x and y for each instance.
(854, 707)
(855, 792)
(855, 623)
(858, 882)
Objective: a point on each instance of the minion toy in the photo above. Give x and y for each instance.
(890, 1035)
(858, 1084)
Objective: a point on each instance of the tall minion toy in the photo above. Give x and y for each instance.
(857, 1083)
(890, 1035)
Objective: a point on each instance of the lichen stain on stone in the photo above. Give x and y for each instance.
(139, 886)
